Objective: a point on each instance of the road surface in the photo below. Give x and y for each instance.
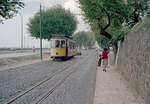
(51, 82)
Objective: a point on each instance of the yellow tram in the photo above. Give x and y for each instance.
(62, 47)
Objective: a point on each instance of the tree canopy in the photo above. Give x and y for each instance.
(136, 9)
(55, 21)
(8, 8)
(85, 39)
(104, 15)
(113, 18)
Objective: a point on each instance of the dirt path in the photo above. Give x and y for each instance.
(111, 88)
(12, 62)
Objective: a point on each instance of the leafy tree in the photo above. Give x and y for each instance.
(104, 14)
(105, 18)
(113, 18)
(55, 21)
(8, 8)
(111, 14)
(85, 39)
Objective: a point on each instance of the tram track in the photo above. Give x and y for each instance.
(33, 87)
(33, 82)
(60, 82)
(44, 81)
(54, 88)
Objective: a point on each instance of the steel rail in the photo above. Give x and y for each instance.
(36, 85)
(60, 82)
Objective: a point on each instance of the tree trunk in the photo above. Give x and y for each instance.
(103, 30)
(136, 16)
(106, 34)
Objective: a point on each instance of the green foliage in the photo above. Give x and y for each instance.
(55, 21)
(103, 41)
(121, 15)
(137, 7)
(119, 36)
(85, 39)
(8, 8)
(96, 12)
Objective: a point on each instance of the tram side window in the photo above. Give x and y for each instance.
(70, 45)
(57, 43)
(62, 44)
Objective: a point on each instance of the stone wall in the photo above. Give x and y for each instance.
(133, 61)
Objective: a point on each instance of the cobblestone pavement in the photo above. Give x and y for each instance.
(77, 86)
(111, 88)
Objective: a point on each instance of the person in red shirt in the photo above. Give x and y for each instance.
(105, 58)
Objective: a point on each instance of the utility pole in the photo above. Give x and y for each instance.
(21, 30)
(24, 42)
(40, 31)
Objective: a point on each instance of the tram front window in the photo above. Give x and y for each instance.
(57, 43)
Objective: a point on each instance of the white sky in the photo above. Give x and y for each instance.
(10, 31)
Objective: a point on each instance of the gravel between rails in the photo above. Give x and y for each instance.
(14, 81)
(71, 70)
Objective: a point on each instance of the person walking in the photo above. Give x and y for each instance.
(105, 59)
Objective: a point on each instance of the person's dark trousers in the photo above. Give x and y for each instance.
(99, 62)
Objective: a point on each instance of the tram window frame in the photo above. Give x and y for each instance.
(53, 44)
